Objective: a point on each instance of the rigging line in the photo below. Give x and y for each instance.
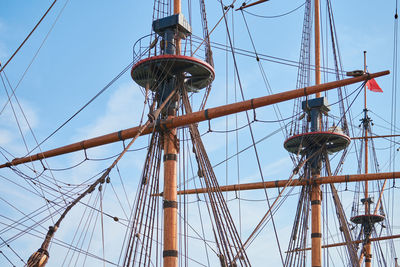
(119, 201)
(26, 188)
(251, 131)
(70, 245)
(106, 214)
(29, 35)
(29, 126)
(123, 187)
(35, 55)
(2, 148)
(275, 16)
(26, 217)
(83, 234)
(199, 237)
(274, 121)
(25, 179)
(1, 252)
(84, 106)
(212, 30)
(26, 230)
(8, 245)
(270, 210)
(244, 149)
(279, 60)
(100, 180)
(237, 133)
(69, 168)
(102, 222)
(394, 84)
(198, 208)
(60, 243)
(36, 182)
(219, 230)
(17, 121)
(392, 125)
(91, 235)
(277, 111)
(94, 159)
(31, 215)
(231, 130)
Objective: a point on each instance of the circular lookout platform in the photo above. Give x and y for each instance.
(151, 71)
(303, 143)
(367, 219)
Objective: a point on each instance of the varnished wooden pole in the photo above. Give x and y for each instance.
(194, 117)
(177, 10)
(177, 6)
(283, 183)
(316, 234)
(354, 242)
(376, 136)
(368, 255)
(317, 45)
(252, 4)
(170, 204)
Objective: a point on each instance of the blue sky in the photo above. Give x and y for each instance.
(92, 42)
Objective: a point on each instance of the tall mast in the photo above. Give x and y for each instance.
(317, 46)
(367, 201)
(316, 235)
(170, 204)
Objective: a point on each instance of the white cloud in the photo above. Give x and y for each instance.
(3, 52)
(5, 137)
(121, 112)
(10, 136)
(3, 49)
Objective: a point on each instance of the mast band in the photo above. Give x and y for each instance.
(316, 202)
(206, 114)
(170, 253)
(170, 204)
(120, 135)
(316, 235)
(173, 157)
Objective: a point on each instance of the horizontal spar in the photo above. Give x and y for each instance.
(282, 183)
(354, 242)
(376, 136)
(194, 117)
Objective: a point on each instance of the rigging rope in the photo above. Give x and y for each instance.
(250, 128)
(29, 35)
(275, 16)
(36, 54)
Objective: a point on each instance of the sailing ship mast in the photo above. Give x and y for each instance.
(316, 233)
(171, 144)
(171, 30)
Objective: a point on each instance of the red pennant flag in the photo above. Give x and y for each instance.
(373, 86)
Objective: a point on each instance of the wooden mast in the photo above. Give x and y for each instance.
(367, 253)
(316, 235)
(170, 204)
